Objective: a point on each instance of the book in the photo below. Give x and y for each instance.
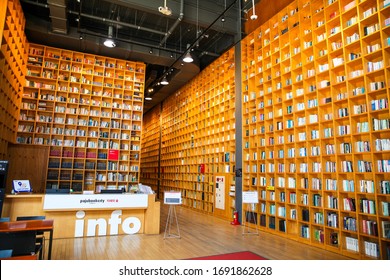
(113, 154)
(386, 229)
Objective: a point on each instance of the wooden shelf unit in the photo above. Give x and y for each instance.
(198, 135)
(88, 110)
(316, 142)
(13, 58)
(150, 148)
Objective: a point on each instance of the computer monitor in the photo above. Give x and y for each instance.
(3, 173)
(112, 191)
(57, 191)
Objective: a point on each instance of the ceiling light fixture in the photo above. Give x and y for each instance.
(151, 51)
(188, 57)
(165, 10)
(253, 16)
(109, 43)
(148, 98)
(164, 81)
(223, 16)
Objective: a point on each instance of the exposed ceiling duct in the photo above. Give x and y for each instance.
(58, 16)
(174, 26)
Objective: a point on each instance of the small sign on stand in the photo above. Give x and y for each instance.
(172, 199)
(250, 198)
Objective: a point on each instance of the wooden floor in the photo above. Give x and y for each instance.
(201, 235)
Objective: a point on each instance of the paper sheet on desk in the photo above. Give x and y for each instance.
(145, 189)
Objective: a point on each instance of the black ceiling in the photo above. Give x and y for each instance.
(141, 33)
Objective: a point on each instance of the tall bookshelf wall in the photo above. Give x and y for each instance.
(88, 110)
(13, 60)
(198, 135)
(316, 124)
(150, 148)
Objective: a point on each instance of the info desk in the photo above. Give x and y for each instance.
(78, 215)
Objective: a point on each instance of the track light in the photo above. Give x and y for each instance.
(164, 81)
(151, 51)
(109, 43)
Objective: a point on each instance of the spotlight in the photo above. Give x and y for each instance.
(165, 10)
(151, 51)
(223, 19)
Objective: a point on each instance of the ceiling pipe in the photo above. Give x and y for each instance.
(101, 19)
(117, 22)
(209, 53)
(36, 3)
(173, 27)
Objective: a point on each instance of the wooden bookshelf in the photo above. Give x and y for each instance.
(198, 136)
(88, 110)
(150, 149)
(12, 67)
(316, 124)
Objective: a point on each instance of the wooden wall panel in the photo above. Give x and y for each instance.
(28, 162)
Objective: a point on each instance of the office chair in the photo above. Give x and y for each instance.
(4, 219)
(20, 243)
(40, 237)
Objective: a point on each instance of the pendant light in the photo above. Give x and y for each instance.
(188, 57)
(253, 16)
(109, 43)
(164, 81)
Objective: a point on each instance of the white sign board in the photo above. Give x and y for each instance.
(250, 197)
(220, 192)
(172, 198)
(94, 201)
(21, 186)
